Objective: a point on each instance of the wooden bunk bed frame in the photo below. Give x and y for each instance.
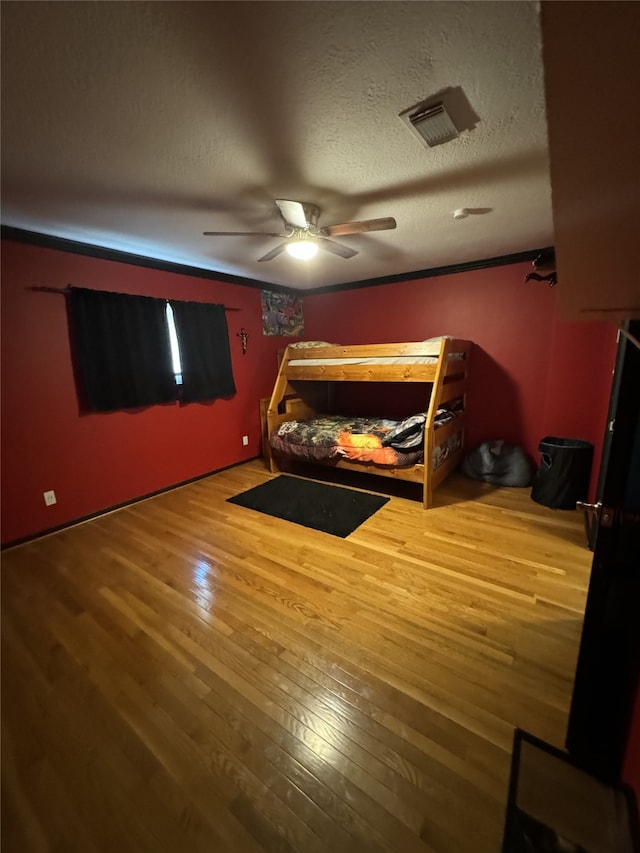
(302, 391)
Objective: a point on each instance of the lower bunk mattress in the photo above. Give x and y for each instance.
(381, 441)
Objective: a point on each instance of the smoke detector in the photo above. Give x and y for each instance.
(431, 121)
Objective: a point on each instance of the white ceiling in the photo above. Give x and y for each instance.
(136, 126)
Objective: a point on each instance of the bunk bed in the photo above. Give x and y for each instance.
(422, 448)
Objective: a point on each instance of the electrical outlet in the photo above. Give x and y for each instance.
(245, 440)
(49, 498)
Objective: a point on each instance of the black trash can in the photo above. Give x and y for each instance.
(564, 472)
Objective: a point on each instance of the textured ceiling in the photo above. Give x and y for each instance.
(137, 126)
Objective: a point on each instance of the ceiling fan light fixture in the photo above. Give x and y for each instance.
(303, 235)
(302, 250)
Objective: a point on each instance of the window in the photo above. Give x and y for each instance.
(136, 351)
(175, 349)
(121, 346)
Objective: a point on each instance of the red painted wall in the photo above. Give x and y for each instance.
(96, 461)
(577, 398)
(531, 374)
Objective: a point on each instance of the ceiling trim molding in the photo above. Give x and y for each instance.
(19, 235)
(47, 241)
(451, 269)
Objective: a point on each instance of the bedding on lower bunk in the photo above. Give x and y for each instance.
(381, 441)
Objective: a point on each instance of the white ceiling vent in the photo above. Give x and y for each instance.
(431, 122)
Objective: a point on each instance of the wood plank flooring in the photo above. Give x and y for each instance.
(189, 675)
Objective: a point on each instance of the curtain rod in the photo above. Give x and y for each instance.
(65, 291)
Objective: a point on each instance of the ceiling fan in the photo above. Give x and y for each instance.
(303, 236)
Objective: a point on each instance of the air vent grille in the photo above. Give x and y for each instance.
(433, 124)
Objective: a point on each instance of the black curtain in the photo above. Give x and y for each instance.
(203, 339)
(122, 349)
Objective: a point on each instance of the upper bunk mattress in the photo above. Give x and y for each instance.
(395, 359)
(432, 344)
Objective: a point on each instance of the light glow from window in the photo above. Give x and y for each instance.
(173, 342)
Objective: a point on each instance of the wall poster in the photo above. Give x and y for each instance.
(282, 314)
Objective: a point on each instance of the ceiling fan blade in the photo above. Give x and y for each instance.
(241, 234)
(273, 253)
(292, 212)
(344, 228)
(336, 248)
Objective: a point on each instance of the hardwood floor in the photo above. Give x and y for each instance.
(188, 675)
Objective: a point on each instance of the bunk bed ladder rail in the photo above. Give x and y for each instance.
(281, 389)
(429, 429)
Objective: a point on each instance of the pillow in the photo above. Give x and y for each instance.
(408, 434)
